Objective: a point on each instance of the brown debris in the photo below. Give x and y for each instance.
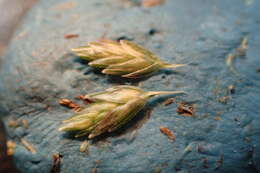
(224, 99)
(28, 146)
(157, 170)
(152, 3)
(205, 163)
(14, 123)
(70, 104)
(10, 147)
(65, 6)
(185, 109)
(94, 170)
(69, 36)
(18, 123)
(231, 89)
(258, 70)
(83, 98)
(169, 101)
(217, 118)
(168, 133)
(25, 124)
(56, 163)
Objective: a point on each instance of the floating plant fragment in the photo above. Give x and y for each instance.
(122, 58)
(109, 110)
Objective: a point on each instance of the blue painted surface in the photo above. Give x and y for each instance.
(38, 70)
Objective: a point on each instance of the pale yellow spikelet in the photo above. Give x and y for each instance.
(122, 58)
(109, 110)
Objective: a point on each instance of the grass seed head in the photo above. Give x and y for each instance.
(109, 110)
(122, 58)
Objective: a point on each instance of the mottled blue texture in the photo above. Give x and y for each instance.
(38, 70)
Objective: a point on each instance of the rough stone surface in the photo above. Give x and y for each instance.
(38, 70)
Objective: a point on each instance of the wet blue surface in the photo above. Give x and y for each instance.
(39, 70)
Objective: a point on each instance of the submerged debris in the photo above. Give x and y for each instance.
(10, 147)
(109, 110)
(56, 163)
(28, 146)
(152, 3)
(185, 109)
(168, 133)
(123, 58)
